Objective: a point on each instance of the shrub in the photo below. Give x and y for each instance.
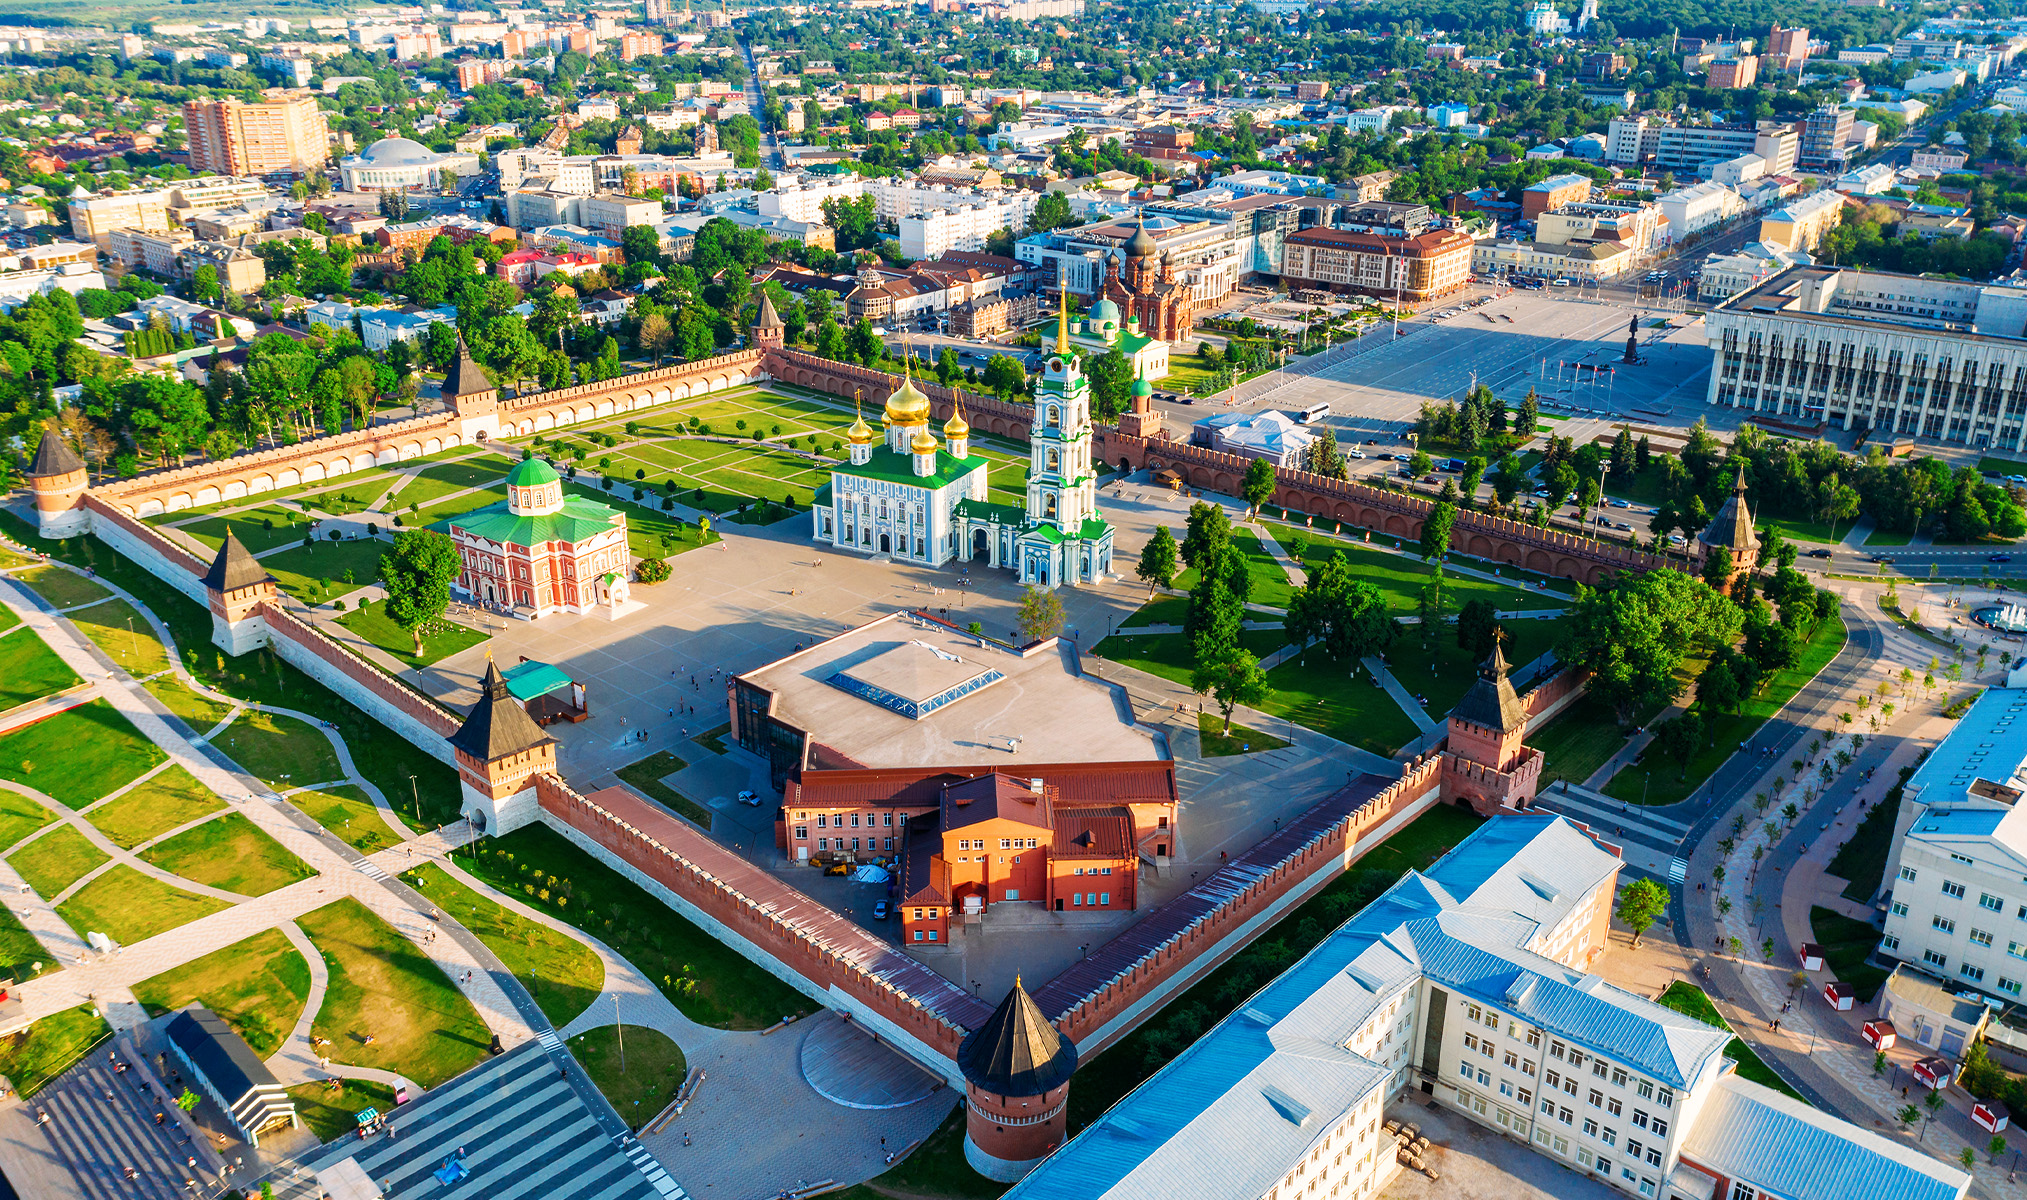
(652, 570)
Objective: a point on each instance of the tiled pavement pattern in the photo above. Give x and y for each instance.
(522, 1128)
(102, 1123)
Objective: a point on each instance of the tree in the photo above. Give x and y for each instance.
(1631, 634)
(1717, 689)
(1420, 464)
(652, 570)
(1436, 531)
(1258, 485)
(1041, 614)
(1052, 211)
(640, 243)
(1717, 568)
(1640, 905)
(1206, 533)
(417, 573)
(655, 335)
(1158, 560)
(1477, 628)
(1231, 682)
(1347, 615)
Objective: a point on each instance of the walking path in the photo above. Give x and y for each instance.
(1406, 699)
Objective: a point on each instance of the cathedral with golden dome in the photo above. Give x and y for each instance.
(915, 499)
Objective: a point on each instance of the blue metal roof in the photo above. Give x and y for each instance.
(1784, 1147)
(1988, 742)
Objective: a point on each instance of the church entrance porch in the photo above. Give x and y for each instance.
(981, 546)
(886, 544)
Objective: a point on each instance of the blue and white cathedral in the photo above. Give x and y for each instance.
(915, 500)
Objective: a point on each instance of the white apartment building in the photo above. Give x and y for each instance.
(802, 197)
(933, 233)
(1698, 207)
(1897, 354)
(894, 199)
(379, 328)
(1725, 275)
(1469, 987)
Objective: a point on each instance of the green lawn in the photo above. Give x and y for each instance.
(19, 817)
(61, 588)
(563, 974)
(130, 907)
(328, 1108)
(645, 777)
(258, 529)
(1316, 691)
(1220, 742)
(153, 807)
(650, 533)
(440, 639)
(1882, 537)
(49, 1047)
(282, 750)
(1162, 610)
(655, 1069)
(349, 813)
(1861, 861)
(446, 509)
(1991, 465)
(356, 495)
(200, 713)
(432, 484)
(707, 980)
(1443, 671)
(1579, 740)
(1846, 945)
(1401, 577)
(1169, 654)
(258, 985)
(29, 669)
(20, 954)
(384, 757)
(386, 988)
(231, 853)
(56, 860)
(1633, 785)
(1821, 532)
(78, 755)
(120, 630)
(1690, 1001)
(1271, 586)
(303, 571)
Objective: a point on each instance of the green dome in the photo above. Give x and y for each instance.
(1142, 388)
(532, 472)
(1104, 311)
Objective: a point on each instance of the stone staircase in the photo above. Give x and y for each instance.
(99, 1139)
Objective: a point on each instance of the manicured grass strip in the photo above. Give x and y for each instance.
(1401, 577)
(30, 670)
(1689, 1000)
(1219, 742)
(1724, 734)
(305, 571)
(19, 817)
(650, 533)
(349, 813)
(1456, 669)
(48, 1048)
(20, 954)
(258, 985)
(1861, 861)
(1883, 537)
(232, 853)
(56, 860)
(78, 755)
(200, 713)
(153, 807)
(646, 775)
(563, 974)
(1162, 610)
(329, 1108)
(282, 750)
(387, 759)
(61, 588)
(440, 639)
(1169, 655)
(130, 907)
(257, 529)
(385, 988)
(1847, 943)
(124, 634)
(1794, 530)
(1579, 740)
(708, 981)
(470, 502)
(655, 1069)
(1317, 692)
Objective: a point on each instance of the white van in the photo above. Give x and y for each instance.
(1558, 283)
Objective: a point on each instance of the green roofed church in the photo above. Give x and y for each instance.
(539, 551)
(915, 500)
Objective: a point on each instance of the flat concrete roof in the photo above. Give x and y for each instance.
(1038, 710)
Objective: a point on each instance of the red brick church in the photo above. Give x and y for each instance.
(1145, 288)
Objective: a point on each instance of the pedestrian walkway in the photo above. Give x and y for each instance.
(1401, 695)
(1650, 841)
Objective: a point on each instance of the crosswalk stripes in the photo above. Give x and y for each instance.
(1678, 869)
(652, 1169)
(549, 1040)
(369, 869)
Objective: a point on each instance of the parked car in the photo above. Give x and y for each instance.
(1819, 554)
(749, 798)
(880, 910)
(1621, 503)
(1354, 452)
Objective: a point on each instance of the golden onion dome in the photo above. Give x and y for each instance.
(860, 433)
(924, 443)
(956, 427)
(908, 405)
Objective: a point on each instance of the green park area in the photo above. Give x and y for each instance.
(1220, 741)
(78, 755)
(29, 669)
(1690, 1001)
(21, 954)
(60, 588)
(440, 638)
(57, 859)
(646, 777)
(257, 985)
(34, 1056)
(1861, 861)
(654, 1068)
(388, 1004)
(152, 807)
(201, 713)
(230, 853)
(267, 527)
(329, 1108)
(385, 758)
(19, 817)
(562, 973)
(1646, 782)
(938, 1167)
(316, 572)
(119, 629)
(130, 907)
(348, 812)
(705, 979)
(1847, 943)
(283, 751)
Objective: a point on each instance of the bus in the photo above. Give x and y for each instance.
(1313, 414)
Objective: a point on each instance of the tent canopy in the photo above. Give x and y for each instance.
(531, 679)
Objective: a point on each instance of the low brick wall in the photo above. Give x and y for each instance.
(407, 712)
